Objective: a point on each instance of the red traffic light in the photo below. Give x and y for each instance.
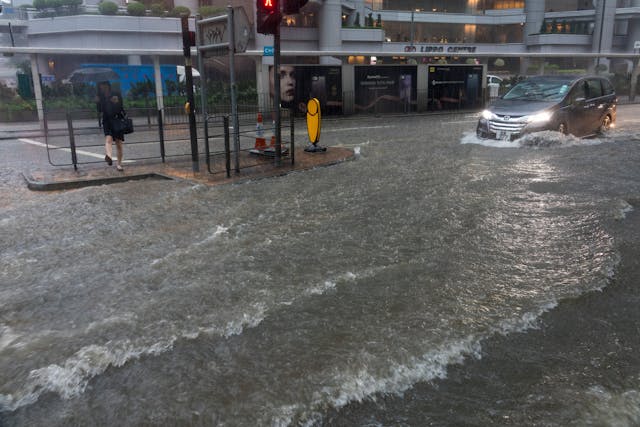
(267, 16)
(268, 5)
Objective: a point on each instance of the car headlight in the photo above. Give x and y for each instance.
(487, 115)
(543, 117)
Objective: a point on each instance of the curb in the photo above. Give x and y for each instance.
(35, 185)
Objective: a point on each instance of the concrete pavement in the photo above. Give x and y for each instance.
(252, 167)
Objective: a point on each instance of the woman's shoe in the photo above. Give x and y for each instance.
(118, 167)
(108, 160)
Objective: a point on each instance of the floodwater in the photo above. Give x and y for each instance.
(435, 280)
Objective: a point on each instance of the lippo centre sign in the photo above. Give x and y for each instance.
(440, 49)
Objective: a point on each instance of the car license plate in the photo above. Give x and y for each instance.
(504, 135)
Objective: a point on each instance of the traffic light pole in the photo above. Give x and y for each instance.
(232, 82)
(186, 46)
(276, 94)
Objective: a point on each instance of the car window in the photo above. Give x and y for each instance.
(594, 88)
(539, 90)
(607, 87)
(579, 91)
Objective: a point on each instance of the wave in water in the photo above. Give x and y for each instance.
(71, 378)
(362, 385)
(620, 408)
(536, 139)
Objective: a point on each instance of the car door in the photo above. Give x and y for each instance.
(595, 106)
(575, 111)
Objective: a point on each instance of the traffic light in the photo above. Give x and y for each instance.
(268, 16)
(291, 7)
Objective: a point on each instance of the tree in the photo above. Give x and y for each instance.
(157, 9)
(177, 11)
(207, 11)
(108, 7)
(136, 8)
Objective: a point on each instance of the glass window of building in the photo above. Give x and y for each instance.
(453, 33)
(304, 20)
(445, 6)
(566, 5)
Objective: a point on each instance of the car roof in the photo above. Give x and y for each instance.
(568, 79)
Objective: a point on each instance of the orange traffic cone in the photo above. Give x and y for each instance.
(273, 134)
(261, 143)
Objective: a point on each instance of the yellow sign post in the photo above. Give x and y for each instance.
(314, 120)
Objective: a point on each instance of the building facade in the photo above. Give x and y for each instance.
(481, 26)
(506, 37)
(334, 43)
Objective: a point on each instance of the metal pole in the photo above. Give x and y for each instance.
(227, 148)
(276, 94)
(37, 88)
(203, 95)
(411, 31)
(72, 142)
(186, 46)
(157, 78)
(604, 7)
(292, 145)
(161, 134)
(232, 81)
(207, 149)
(13, 43)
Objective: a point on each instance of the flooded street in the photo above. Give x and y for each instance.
(434, 280)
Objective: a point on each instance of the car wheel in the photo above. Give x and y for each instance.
(605, 126)
(562, 128)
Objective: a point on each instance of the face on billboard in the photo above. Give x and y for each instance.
(287, 83)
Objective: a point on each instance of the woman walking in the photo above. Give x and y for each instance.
(110, 105)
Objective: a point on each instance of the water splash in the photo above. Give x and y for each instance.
(544, 139)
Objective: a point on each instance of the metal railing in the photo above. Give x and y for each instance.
(157, 134)
(76, 137)
(228, 149)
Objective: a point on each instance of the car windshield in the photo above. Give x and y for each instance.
(539, 90)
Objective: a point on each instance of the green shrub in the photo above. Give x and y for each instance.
(7, 94)
(157, 9)
(206, 11)
(108, 8)
(178, 11)
(136, 9)
(40, 4)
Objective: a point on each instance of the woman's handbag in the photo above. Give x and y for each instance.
(122, 125)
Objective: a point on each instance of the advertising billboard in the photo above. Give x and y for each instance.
(385, 88)
(454, 87)
(299, 83)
